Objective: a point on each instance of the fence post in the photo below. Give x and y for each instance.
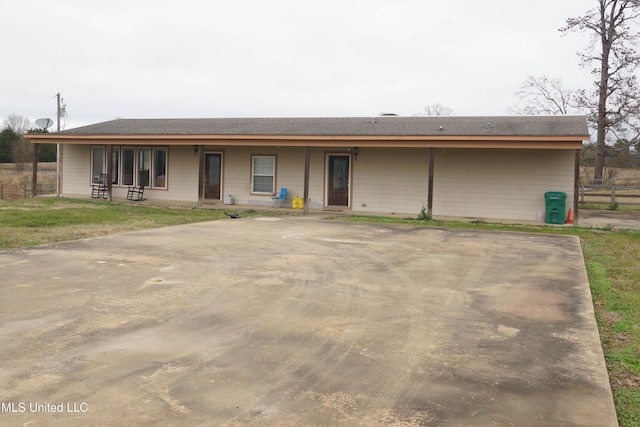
(613, 194)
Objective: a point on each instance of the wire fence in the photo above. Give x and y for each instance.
(15, 191)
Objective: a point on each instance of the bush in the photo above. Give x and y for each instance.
(423, 215)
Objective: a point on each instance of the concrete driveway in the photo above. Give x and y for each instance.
(301, 321)
(616, 219)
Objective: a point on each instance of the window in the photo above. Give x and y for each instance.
(263, 174)
(128, 165)
(144, 166)
(159, 168)
(97, 163)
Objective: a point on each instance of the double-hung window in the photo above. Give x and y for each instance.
(263, 174)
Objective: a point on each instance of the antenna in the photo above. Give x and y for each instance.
(44, 123)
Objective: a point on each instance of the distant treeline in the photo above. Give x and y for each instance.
(623, 154)
(15, 149)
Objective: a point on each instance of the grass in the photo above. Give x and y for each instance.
(614, 275)
(611, 258)
(14, 181)
(30, 222)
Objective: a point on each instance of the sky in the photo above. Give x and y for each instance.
(279, 58)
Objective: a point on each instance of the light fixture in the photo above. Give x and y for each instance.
(195, 150)
(355, 152)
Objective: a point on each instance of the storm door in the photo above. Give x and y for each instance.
(338, 180)
(212, 175)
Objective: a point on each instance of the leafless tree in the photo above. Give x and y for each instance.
(22, 153)
(18, 124)
(543, 95)
(614, 101)
(437, 110)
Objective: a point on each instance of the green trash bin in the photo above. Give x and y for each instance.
(555, 207)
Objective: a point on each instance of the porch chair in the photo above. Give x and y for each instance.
(135, 193)
(100, 187)
(278, 201)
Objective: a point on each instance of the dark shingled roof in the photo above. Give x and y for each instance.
(347, 126)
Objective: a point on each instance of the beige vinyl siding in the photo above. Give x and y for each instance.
(182, 176)
(76, 174)
(289, 173)
(237, 173)
(390, 180)
(475, 183)
(316, 177)
(501, 184)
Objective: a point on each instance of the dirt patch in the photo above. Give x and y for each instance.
(608, 317)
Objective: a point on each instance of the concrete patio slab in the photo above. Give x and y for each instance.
(301, 321)
(616, 219)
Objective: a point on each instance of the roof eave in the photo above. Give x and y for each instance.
(451, 141)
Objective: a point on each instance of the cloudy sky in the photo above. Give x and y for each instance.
(279, 58)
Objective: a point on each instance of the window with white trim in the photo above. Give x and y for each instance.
(263, 174)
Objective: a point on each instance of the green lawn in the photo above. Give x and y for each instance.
(31, 222)
(611, 257)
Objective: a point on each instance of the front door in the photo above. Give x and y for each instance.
(212, 175)
(338, 177)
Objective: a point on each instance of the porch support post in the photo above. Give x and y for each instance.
(430, 194)
(200, 176)
(576, 189)
(34, 172)
(307, 156)
(109, 171)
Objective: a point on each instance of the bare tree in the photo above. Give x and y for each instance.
(21, 150)
(542, 95)
(22, 153)
(18, 124)
(437, 110)
(616, 88)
